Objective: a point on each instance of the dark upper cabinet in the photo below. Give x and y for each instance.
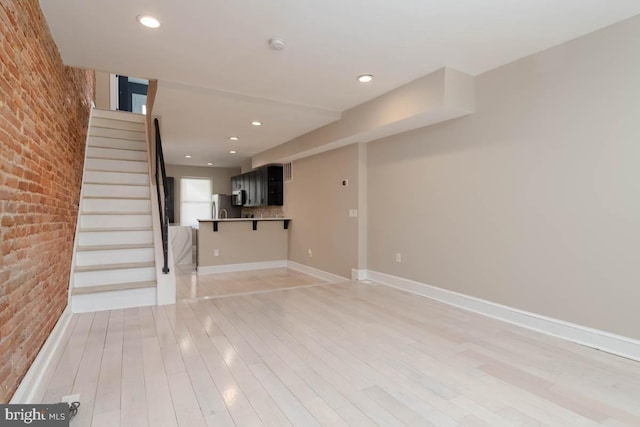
(263, 187)
(273, 186)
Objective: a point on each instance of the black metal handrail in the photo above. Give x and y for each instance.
(163, 198)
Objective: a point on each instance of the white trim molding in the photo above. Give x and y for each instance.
(113, 92)
(358, 274)
(265, 265)
(248, 266)
(31, 387)
(320, 274)
(590, 337)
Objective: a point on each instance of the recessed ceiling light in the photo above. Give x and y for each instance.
(256, 123)
(187, 156)
(365, 78)
(232, 152)
(209, 164)
(148, 21)
(233, 138)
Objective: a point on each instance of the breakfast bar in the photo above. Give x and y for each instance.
(237, 244)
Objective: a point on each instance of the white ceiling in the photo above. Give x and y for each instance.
(217, 72)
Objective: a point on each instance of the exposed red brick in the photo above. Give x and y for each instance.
(44, 112)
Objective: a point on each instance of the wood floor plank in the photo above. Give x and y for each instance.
(235, 398)
(106, 409)
(185, 404)
(334, 355)
(207, 395)
(133, 396)
(159, 407)
(86, 381)
(61, 381)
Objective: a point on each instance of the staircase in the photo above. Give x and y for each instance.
(114, 261)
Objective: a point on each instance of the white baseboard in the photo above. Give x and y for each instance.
(605, 341)
(358, 274)
(32, 384)
(320, 274)
(248, 266)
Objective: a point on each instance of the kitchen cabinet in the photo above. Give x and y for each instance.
(273, 186)
(263, 187)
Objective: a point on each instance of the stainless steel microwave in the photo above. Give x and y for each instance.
(238, 197)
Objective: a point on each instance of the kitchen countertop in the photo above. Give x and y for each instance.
(243, 219)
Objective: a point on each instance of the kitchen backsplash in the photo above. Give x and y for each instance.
(263, 212)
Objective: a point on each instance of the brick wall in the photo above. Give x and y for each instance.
(44, 111)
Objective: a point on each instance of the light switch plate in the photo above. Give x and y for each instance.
(353, 212)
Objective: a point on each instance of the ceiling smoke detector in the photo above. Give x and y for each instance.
(276, 44)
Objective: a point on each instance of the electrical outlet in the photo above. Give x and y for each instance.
(216, 252)
(353, 213)
(310, 253)
(398, 257)
(345, 182)
(71, 398)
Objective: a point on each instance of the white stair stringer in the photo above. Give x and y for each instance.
(114, 263)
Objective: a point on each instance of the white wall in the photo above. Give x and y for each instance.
(318, 205)
(103, 90)
(534, 200)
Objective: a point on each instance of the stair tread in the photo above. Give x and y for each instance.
(114, 148)
(102, 112)
(116, 213)
(94, 145)
(112, 183)
(116, 197)
(128, 150)
(117, 159)
(103, 229)
(119, 125)
(114, 287)
(115, 247)
(114, 171)
(118, 137)
(121, 266)
(100, 125)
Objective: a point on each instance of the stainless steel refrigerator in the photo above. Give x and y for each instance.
(221, 205)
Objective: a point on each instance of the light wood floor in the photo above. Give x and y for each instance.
(190, 285)
(343, 354)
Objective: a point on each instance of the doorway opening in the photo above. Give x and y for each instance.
(132, 94)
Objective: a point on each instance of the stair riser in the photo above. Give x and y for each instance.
(121, 144)
(126, 191)
(116, 165)
(118, 115)
(111, 277)
(117, 178)
(113, 300)
(115, 221)
(93, 238)
(117, 256)
(117, 133)
(116, 205)
(117, 124)
(117, 154)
